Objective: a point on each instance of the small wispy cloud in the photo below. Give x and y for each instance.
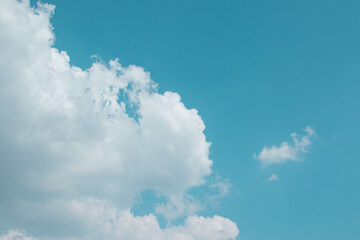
(221, 185)
(273, 177)
(286, 151)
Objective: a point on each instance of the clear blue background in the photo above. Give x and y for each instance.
(256, 70)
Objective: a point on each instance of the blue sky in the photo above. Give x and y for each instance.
(256, 71)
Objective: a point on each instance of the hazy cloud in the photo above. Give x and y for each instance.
(273, 177)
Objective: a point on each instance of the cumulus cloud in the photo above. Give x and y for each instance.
(286, 151)
(15, 235)
(273, 177)
(126, 226)
(77, 145)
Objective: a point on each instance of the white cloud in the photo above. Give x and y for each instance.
(127, 226)
(15, 235)
(200, 228)
(273, 177)
(73, 158)
(286, 151)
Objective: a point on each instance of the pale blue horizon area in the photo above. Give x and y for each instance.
(256, 71)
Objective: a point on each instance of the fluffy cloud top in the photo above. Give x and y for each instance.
(129, 227)
(15, 235)
(72, 155)
(286, 151)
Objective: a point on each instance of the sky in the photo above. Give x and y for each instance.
(179, 120)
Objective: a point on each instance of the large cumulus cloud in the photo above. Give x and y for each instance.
(77, 145)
